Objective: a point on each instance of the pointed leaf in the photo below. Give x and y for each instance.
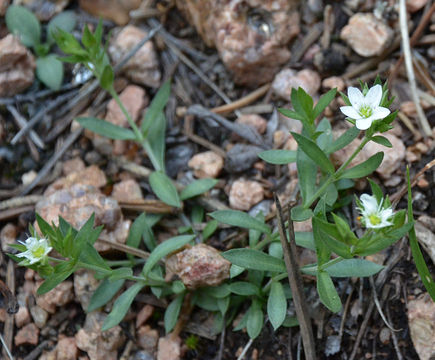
(164, 188)
(255, 320)
(240, 219)
(172, 312)
(323, 102)
(254, 259)
(23, 23)
(276, 305)
(344, 140)
(105, 128)
(278, 157)
(327, 292)
(104, 293)
(365, 168)
(197, 187)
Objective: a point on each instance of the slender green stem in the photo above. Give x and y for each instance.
(267, 240)
(146, 145)
(331, 262)
(275, 278)
(133, 262)
(336, 175)
(132, 124)
(107, 272)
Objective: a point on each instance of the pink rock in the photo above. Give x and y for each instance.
(74, 165)
(97, 344)
(334, 82)
(17, 66)
(367, 35)
(61, 295)
(85, 285)
(8, 235)
(421, 317)
(115, 10)
(144, 315)
(200, 265)
(143, 67)
(66, 349)
(27, 335)
(251, 36)
(169, 348)
(258, 122)
(92, 175)
(127, 190)
(415, 5)
(245, 193)
(134, 99)
(22, 317)
(287, 79)
(39, 316)
(147, 338)
(206, 165)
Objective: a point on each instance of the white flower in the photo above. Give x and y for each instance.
(36, 250)
(365, 109)
(373, 214)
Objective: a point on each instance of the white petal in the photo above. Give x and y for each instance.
(355, 96)
(374, 96)
(369, 202)
(379, 113)
(350, 111)
(363, 124)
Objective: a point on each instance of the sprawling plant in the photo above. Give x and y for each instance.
(258, 275)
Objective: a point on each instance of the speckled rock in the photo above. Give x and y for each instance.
(251, 36)
(206, 164)
(287, 79)
(22, 317)
(143, 67)
(115, 10)
(61, 295)
(134, 99)
(127, 190)
(29, 334)
(85, 285)
(245, 193)
(99, 345)
(17, 66)
(66, 349)
(367, 35)
(92, 175)
(198, 266)
(258, 122)
(147, 338)
(421, 317)
(8, 235)
(169, 348)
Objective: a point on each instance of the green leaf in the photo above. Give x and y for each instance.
(365, 168)
(376, 191)
(172, 312)
(197, 187)
(105, 128)
(275, 250)
(278, 157)
(255, 320)
(23, 23)
(61, 272)
(307, 173)
(165, 248)
(202, 299)
(254, 259)
(382, 140)
(292, 114)
(306, 102)
(218, 292)
(164, 188)
(106, 79)
(244, 288)
(343, 228)
(121, 306)
(417, 255)
(327, 234)
(106, 290)
(156, 140)
(235, 271)
(209, 229)
(290, 321)
(331, 195)
(353, 268)
(157, 106)
(305, 239)
(322, 250)
(66, 20)
(314, 152)
(344, 140)
(323, 102)
(240, 219)
(327, 292)
(301, 214)
(50, 71)
(136, 231)
(325, 137)
(223, 304)
(120, 273)
(276, 305)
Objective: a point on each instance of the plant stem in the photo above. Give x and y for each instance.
(146, 145)
(336, 175)
(112, 263)
(107, 272)
(139, 136)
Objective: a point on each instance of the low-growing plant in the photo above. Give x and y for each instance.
(258, 276)
(22, 22)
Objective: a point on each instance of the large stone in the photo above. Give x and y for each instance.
(8, 235)
(421, 318)
(66, 349)
(287, 79)
(61, 295)
(127, 190)
(198, 266)
(245, 193)
(251, 36)
(97, 344)
(367, 35)
(17, 66)
(29, 334)
(206, 164)
(143, 67)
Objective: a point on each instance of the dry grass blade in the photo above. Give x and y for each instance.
(410, 70)
(295, 281)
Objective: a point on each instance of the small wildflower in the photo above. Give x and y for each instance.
(37, 250)
(365, 109)
(373, 214)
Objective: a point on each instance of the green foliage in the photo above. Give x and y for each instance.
(23, 23)
(197, 187)
(240, 219)
(164, 188)
(278, 157)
